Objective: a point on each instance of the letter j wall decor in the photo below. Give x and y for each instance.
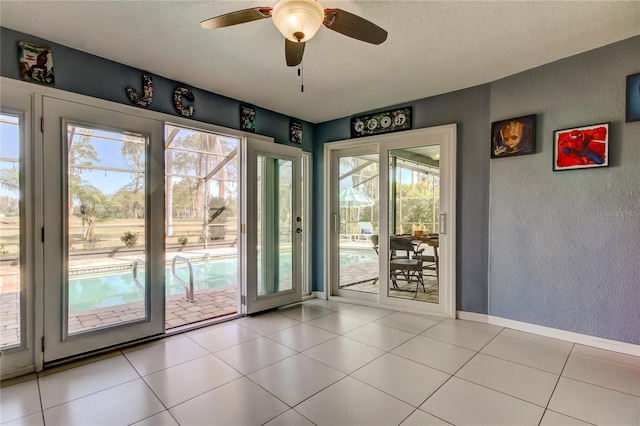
(581, 147)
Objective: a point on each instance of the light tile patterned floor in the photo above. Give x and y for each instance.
(332, 363)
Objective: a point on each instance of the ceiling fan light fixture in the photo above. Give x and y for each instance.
(298, 20)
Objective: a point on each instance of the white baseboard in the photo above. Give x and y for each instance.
(319, 295)
(583, 339)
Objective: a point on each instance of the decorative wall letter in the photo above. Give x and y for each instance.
(177, 101)
(145, 100)
(147, 86)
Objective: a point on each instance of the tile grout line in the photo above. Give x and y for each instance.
(556, 385)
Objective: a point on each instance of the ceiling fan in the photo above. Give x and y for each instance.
(299, 20)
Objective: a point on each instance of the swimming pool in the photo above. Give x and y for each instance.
(91, 289)
(102, 290)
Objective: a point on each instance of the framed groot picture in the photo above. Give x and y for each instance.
(581, 147)
(514, 136)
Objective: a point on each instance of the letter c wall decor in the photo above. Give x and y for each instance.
(177, 101)
(142, 101)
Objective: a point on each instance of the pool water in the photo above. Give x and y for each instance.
(101, 291)
(88, 292)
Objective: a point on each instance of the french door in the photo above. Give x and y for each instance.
(273, 227)
(103, 228)
(82, 235)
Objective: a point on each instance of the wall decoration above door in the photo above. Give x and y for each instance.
(247, 118)
(295, 131)
(178, 94)
(381, 122)
(147, 93)
(36, 63)
(514, 136)
(581, 147)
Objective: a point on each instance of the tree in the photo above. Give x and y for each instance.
(81, 152)
(10, 179)
(133, 153)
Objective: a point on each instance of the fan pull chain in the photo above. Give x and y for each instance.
(301, 75)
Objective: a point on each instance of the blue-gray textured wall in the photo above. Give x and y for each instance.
(80, 72)
(565, 246)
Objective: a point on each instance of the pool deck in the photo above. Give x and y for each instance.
(209, 303)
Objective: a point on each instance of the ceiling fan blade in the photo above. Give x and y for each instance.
(293, 52)
(353, 26)
(238, 17)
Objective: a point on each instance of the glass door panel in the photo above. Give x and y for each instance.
(273, 226)
(414, 203)
(103, 227)
(356, 174)
(11, 249)
(105, 200)
(202, 225)
(275, 223)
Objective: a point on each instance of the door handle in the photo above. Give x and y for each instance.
(443, 223)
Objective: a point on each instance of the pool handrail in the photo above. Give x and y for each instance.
(134, 272)
(188, 289)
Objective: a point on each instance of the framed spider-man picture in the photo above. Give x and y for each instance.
(581, 147)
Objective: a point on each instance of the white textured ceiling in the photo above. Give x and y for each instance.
(432, 48)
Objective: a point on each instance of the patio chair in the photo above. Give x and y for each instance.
(408, 267)
(431, 263)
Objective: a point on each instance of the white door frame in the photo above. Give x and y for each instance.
(253, 302)
(445, 136)
(18, 100)
(59, 342)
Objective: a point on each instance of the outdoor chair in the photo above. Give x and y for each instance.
(407, 267)
(374, 244)
(431, 263)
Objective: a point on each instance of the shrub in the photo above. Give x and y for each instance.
(183, 240)
(129, 239)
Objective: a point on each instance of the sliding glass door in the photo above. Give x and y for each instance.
(391, 219)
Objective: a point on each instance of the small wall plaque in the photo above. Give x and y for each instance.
(295, 131)
(36, 63)
(382, 122)
(247, 118)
